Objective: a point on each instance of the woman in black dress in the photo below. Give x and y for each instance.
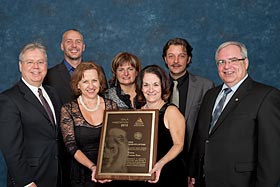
(169, 168)
(81, 122)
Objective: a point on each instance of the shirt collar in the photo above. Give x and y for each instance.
(235, 87)
(181, 79)
(68, 66)
(34, 89)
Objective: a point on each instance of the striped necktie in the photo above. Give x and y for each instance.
(219, 108)
(46, 106)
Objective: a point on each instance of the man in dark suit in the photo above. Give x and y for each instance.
(177, 54)
(73, 46)
(242, 147)
(29, 133)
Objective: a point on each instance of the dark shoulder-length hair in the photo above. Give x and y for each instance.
(164, 81)
(79, 73)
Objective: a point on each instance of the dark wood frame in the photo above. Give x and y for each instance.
(141, 127)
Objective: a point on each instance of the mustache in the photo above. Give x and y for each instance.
(175, 65)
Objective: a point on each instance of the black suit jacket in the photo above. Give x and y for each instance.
(29, 141)
(59, 78)
(243, 148)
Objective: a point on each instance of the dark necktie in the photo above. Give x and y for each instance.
(46, 105)
(219, 108)
(72, 69)
(175, 94)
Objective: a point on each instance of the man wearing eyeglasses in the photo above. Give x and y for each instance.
(236, 140)
(29, 130)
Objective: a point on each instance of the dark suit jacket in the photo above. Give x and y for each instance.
(198, 86)
(28, 139)
(243, 148)
(3, 171)
(59, 78)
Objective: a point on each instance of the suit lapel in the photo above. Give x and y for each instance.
(240, 93)
(31, 98)
(191, 94)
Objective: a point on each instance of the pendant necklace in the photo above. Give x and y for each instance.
(88, 109)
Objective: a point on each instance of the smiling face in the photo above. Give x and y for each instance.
(151, 88)
(89, 84)
(33, 66)
(177, 60)
(232, 73)
(72, 45)
(126, 74)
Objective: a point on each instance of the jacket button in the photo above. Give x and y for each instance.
(207, 141)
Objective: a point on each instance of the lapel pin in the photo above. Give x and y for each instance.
(236, 99)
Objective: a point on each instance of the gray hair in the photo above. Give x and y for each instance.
(33, 46)
(243, 49)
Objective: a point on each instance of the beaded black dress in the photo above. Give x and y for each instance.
(79, 134)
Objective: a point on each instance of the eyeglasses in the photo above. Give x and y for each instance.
(229, 61)
(31, 62)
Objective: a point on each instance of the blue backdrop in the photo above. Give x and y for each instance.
(142, 27)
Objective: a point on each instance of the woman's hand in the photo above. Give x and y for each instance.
(157, 170)
(93, 169)
(191, 182)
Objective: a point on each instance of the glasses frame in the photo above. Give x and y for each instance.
(32, 63)
(229, 61)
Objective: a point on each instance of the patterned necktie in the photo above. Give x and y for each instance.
(175, 94)
(219, 108)
(46, 105)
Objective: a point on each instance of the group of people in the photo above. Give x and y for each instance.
(51, 119)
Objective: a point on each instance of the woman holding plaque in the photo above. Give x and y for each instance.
(169, 169)
(123, 90)
(81, 122)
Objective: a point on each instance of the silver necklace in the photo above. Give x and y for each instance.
(88, 109)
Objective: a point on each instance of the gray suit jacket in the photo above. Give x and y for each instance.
(198, 86)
